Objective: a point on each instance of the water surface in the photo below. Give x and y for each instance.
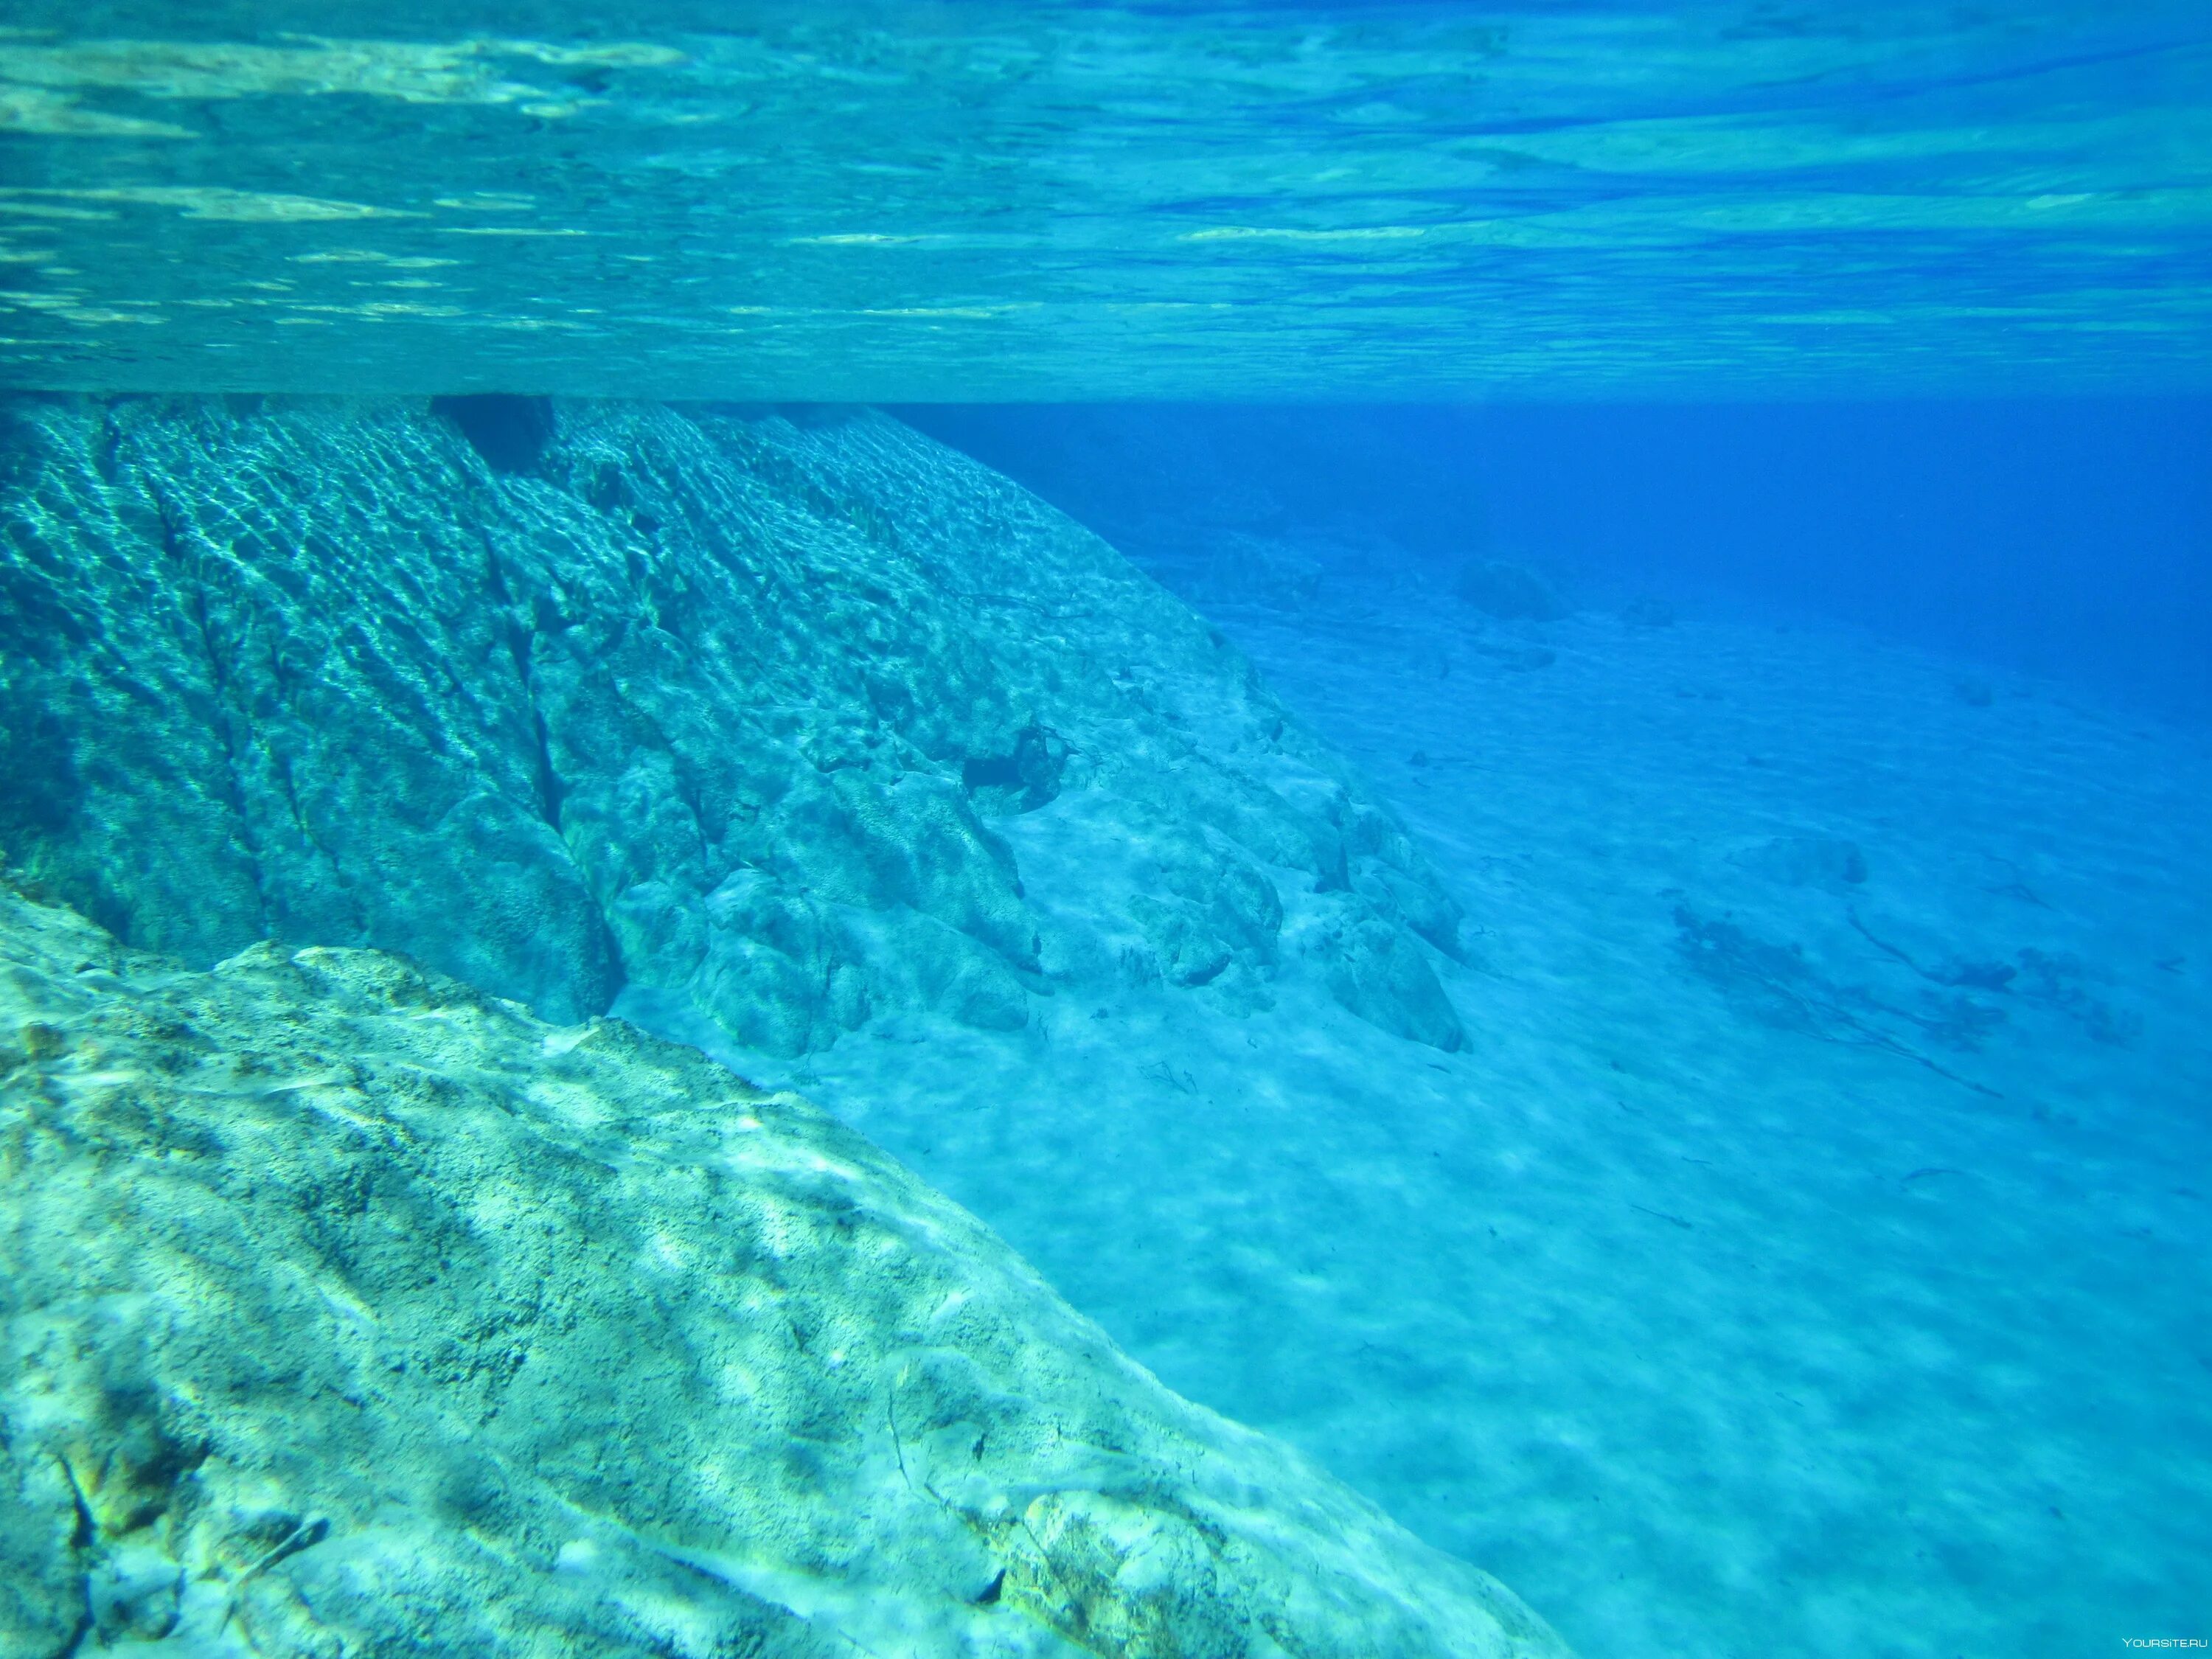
(990, 201)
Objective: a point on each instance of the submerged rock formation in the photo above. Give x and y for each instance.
(347, 1311)
(740, 710)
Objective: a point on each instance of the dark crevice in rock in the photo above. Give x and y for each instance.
(544, 779)
(1022, 780)
(86, 1530)
(509, 431)
(521, 644)
(687, 791)
(549, 789)
(106, 456)
(76, 1644)
(608, 490)
(495, 573)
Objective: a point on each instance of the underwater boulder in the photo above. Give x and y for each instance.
(346, 1310)
(1379, 974)
(696, 708)
(1509, 592)
(1258, 570)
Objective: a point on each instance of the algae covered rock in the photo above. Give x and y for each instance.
(348, 1311)
(733, 709)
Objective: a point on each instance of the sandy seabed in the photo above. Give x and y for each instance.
(1809, 1254)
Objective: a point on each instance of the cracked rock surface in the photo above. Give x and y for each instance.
(346, 1311)
(727, 710)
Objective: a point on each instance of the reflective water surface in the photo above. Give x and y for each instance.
(996, 201)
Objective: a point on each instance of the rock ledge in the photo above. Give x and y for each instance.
(349, 1311)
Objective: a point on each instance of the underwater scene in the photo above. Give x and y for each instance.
(1166, 830)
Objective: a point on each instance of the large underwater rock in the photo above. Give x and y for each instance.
(737, 711)
(347, 1311)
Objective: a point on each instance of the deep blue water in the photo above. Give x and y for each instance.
(995, 201)
(2065, 538)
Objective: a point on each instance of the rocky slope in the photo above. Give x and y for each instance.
(347, 1311)
(725, 709)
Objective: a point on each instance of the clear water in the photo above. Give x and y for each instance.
(1841, 371)
(979, 201)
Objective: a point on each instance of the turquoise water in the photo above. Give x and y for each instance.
(1562, 860)
(974, 201)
